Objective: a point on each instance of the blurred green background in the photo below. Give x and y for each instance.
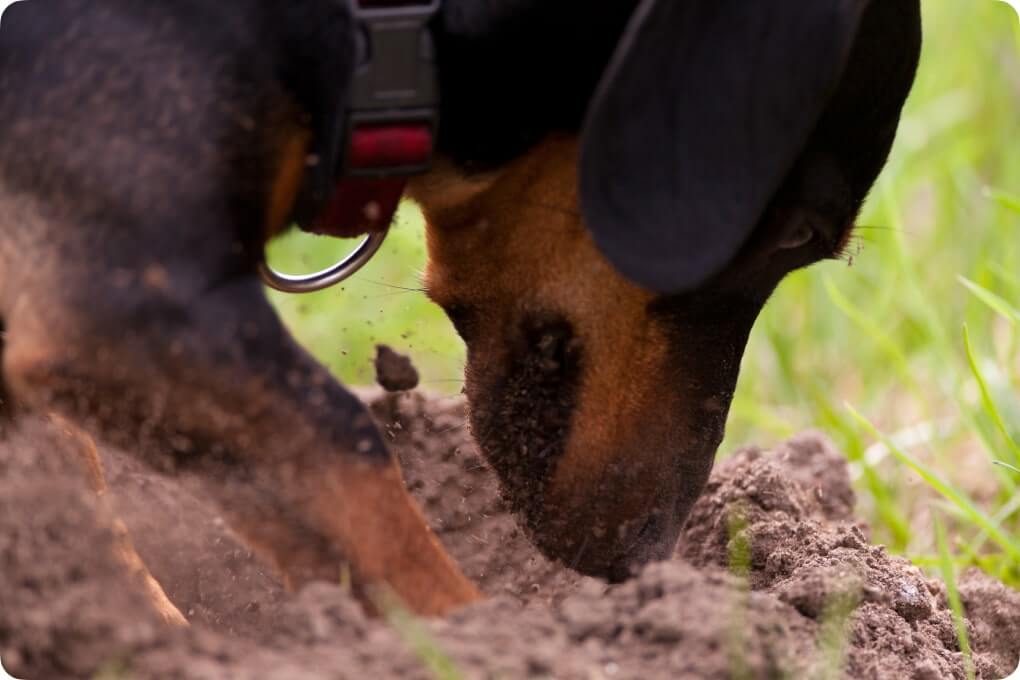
(872, 354)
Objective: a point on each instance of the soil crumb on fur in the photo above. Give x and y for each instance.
(394, 371)
(772, 560)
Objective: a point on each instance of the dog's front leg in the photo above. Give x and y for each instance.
(87, 457)
(293, 459)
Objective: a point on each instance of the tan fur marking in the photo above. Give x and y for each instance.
(287, 182)
(88, 457)
(390, 543)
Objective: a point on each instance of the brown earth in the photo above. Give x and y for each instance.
(814, 593)
(394, 371)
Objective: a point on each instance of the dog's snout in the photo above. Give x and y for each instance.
(651, 530)
(551, 342)
(585, 394)
(651, 540)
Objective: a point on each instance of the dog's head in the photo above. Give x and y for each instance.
(605, 271)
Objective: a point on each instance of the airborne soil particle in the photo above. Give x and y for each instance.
(393, 371)
(67, 610)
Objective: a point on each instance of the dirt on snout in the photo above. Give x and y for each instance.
(773, 578)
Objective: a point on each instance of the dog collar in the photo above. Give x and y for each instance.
(390, 128)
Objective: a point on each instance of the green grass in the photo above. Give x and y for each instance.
(740, 567)
(414, 633)
(921, 335)
(381, 303)
(953, 595)
(834, 632)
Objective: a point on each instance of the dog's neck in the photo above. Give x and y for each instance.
(448, 192)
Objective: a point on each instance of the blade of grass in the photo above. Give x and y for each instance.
(1004, 199)
(989, 437)
(884, 495)
(740, 567)
(915, 290)
(1003, 514)
(986, 397)
(1006, 465)
(416, 636)
(872, 330)
(964, 504)
(997, 303)
(763, 419)
(953, 595)
(1004, 275)
(986, 563)
(834, 633)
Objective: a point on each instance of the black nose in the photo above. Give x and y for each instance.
(652, 541)
(648, 541)
(621, 571)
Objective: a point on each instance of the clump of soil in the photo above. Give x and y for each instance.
(394, 371)
(810, 590)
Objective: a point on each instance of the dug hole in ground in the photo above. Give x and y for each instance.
(815, 593)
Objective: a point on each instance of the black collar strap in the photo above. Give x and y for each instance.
(392, 115)
(390, 125)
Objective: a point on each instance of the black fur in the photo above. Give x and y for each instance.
(704, 113)
(513, 71)
(710, 112)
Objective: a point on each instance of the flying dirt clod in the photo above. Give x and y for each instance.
(394, 371)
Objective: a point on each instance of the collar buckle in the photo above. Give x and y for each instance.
(393, 111)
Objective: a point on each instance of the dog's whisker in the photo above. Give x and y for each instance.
(874, 227)
(580, 553)
(388, 295)
(391, 285)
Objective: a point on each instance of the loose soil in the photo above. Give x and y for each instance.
(773, 578)
(394, 371)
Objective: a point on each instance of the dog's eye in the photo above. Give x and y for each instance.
(797, 237)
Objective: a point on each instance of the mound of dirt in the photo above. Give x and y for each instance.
(773, 578)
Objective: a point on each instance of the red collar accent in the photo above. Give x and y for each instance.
(367, 197)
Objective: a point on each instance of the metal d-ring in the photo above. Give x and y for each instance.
(308, 283)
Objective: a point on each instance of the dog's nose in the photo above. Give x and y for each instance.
(618, 555)
(652, 540)
(631, 515)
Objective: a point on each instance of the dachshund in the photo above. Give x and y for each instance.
(616, 190)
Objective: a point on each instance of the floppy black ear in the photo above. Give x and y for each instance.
(702, 111)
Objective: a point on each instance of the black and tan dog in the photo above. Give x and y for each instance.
(620, 186)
